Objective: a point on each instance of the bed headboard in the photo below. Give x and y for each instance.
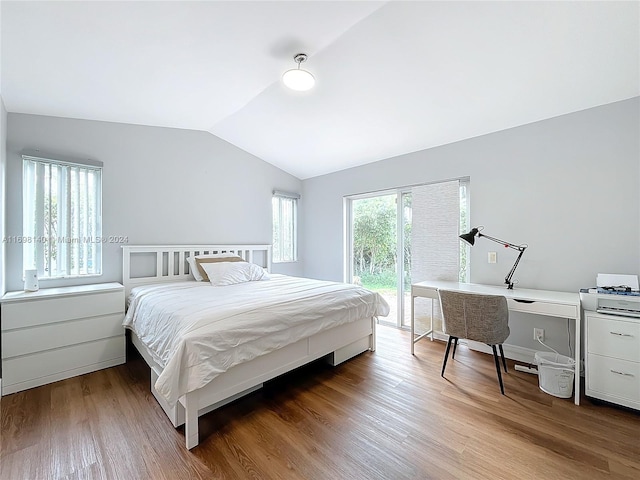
(147, 264)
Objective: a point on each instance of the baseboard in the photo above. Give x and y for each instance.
(512, 352)
(522, 355)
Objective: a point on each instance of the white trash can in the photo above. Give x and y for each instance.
(555, 373)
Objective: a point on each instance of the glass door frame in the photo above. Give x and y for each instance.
(348, 244)
(400, 241)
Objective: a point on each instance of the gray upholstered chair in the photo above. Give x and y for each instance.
(482, 318)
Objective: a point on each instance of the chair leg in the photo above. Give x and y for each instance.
(504, 362)
(455, 345)
(495, 357)
(446, 355)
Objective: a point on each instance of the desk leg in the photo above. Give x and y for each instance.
(431, 325)
(415, 339)
(413, 322)
(576, 388)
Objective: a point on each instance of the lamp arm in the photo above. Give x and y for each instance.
(509, 276)
(469, 238)
(502, 242)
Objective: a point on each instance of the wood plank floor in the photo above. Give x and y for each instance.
(383, 415)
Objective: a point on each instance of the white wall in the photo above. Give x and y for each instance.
(3, 163)
(160, 186)
(567, 186)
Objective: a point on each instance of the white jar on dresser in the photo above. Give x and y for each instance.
(58, 333)
(612, 361)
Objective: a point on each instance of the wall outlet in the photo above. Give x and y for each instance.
(492, 257)
(538, 333)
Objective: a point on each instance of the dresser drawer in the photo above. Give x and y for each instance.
(613, 377)
(543, 308)
(52, 365)
(613, 337)
(30, 340)
(51, 310)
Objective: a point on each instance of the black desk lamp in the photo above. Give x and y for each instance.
(470, 238)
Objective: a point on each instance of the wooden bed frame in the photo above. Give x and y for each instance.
(337, 344)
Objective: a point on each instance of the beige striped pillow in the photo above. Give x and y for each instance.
(220, 257)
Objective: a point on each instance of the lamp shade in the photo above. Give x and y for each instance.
(297, 79)
(470, 237)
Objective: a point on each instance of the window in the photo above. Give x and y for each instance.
(62, 217)
(285, 228)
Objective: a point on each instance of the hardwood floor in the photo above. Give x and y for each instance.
(383, 415)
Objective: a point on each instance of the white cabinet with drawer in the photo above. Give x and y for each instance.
(57, 333)
(612, 366)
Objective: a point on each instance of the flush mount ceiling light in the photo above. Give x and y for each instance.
(298, 79)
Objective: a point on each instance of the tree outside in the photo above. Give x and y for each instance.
(374, 243)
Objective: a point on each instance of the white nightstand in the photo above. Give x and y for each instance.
(58, 333)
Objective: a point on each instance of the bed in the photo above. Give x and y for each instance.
(208, 345)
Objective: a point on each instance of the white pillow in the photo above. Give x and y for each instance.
(193, 267)
(230, 273)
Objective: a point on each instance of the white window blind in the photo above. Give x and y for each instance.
(434, 234)
(62, 217)
(285, 226)
(437, 212)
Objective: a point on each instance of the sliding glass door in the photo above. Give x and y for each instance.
(374, 250)
(403, 236)
(379, 248)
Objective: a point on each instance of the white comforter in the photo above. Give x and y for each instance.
(196, 331)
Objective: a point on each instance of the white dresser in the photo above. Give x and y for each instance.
(58, 333)
(612, 360)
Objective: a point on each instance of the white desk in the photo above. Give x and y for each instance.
(537, 302)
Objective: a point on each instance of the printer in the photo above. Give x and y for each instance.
(614, 295)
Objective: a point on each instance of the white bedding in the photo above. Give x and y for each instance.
(196, 331)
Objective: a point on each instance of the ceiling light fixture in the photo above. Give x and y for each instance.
(298, 79)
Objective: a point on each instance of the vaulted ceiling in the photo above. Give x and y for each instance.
(392, 77)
